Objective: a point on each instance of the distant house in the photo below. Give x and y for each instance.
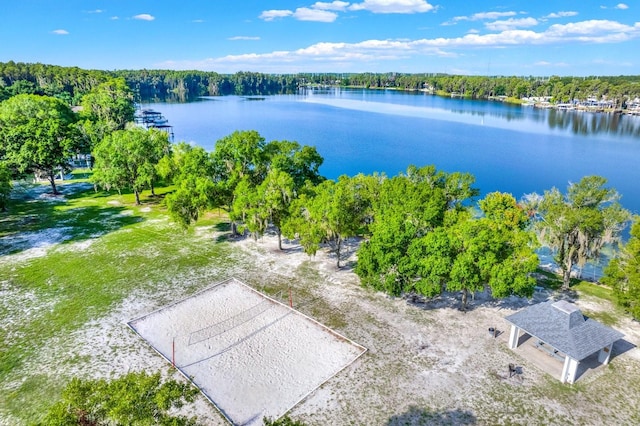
(561, 329)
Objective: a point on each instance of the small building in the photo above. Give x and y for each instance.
(561, 329)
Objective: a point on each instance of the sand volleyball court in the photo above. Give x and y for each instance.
(250, 355)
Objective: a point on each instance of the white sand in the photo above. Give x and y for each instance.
(252, 356)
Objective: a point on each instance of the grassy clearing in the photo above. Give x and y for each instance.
(109, 249)
(594, 290)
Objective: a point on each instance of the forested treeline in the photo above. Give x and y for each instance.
(71, 83)
(480, 87)
(66, 83)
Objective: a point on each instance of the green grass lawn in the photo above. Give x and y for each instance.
(110, 249)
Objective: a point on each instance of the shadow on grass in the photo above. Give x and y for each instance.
(423, 416)
(35, 223)
(224, 230)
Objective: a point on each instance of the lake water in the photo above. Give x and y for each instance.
(507, 148)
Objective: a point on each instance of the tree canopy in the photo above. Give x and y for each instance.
(135, 399)
(329, 212)
(106, 108)
(578, 224)
(128, 159)
(468, 253)
(407, 207)
(5, 186)
(253, 180)
(623, 273)
(38, 135)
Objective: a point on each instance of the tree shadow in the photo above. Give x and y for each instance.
(446, 299)
(35, 222)
(423, 416)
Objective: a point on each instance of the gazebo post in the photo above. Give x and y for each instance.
(569, 370)
(513, 337)
(605, 354)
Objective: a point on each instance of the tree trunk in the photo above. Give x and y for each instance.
(465, 296)
(153, 192)
(279, 239)
(137, 194)
(566, 276)
(52, 181)
(338, 247)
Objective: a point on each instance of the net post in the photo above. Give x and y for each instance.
(173, 353)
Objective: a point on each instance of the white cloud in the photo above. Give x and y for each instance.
(198, 21)
(621, 6)
(510, 24)
(270, 15)
(338, 6)
(243, 38)
(60, 32)
(96, 11)
(306, 14)
(485, 16)
(393, 6)
(561, 14)
(550, 64)
(593, 30)
(369, 52)
(144, 17)
(114, 18)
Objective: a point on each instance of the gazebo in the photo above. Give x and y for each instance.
(562, 330)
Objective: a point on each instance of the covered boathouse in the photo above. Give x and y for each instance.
(561, 329)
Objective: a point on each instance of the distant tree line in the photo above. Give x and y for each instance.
(71, 83)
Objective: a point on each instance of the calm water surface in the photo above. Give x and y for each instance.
(507, 148)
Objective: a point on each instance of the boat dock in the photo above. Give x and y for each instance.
(152, 119)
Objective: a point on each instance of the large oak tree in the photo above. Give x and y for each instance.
(578, 224)
(470, 253)
(128, 159)
(38, 135)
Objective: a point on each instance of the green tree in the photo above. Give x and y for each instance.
(128, 159)
(623, 273)
(37, 135)
(577, 225)
(277, 191)
(302, 163)
(106, 108)
(407, 207)
(191, 169)
(329, 213)
(246, 209)
(110, 103)
(468, 253)
(136, 399)
(5, 186)
(267, 203)
(237, 157)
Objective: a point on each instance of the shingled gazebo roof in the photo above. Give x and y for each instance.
(561, 325)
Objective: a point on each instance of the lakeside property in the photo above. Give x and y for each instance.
(426, 360)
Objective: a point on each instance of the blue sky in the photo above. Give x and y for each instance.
(541, 38)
